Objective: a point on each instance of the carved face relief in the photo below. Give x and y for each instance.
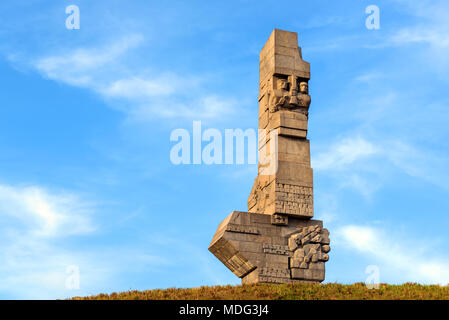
(304, 88)
(282, 84)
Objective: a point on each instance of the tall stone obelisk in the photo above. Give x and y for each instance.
(277, 241)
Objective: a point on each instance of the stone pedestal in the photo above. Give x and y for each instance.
(276, 241)
(272, 249)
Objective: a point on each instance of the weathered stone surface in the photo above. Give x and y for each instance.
(277, 241)
(284, 194)
(278, 254)
(279, 219)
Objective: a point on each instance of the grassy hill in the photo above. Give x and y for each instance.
(330, 291)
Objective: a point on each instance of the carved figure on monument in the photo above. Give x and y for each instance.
(309, 246)
(280, 96)
(303, 96)
(286, 96)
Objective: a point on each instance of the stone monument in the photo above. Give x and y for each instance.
(276, 241)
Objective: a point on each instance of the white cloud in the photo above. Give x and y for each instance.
(43, 214)
(424, 24)
(206, 107)
(136, 87)
(35, 222)
(369, 77)
(350, 162)
(364, 165)
(142, 96)
(432, 27)
(43, 232)
(429, 34)
(80, 66)
(366, 186)
(433, 36)
(415, 262)
(343, 153)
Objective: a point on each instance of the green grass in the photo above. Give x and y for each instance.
(330, 291)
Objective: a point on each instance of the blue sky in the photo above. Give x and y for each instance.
(86, 116)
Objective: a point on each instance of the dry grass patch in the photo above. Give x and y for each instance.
(330, 291)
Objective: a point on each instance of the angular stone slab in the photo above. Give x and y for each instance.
(265, 248)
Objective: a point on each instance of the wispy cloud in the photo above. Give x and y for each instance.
(80, 66)
(369, 77)
(364, 165)
(136, 87)
(425, 31)
(205, 107)
(425, 36)
(43, 214)
(434, 36)
(351, 161)
(343, 153)
(416, 262)
(35, 224)
(42, 233)
(142, 95)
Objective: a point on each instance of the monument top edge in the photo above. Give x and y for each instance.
(282, 38)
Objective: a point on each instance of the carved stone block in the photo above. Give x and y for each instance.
(278, 219)
(294, 252)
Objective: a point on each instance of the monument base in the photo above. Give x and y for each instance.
(263, 248)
